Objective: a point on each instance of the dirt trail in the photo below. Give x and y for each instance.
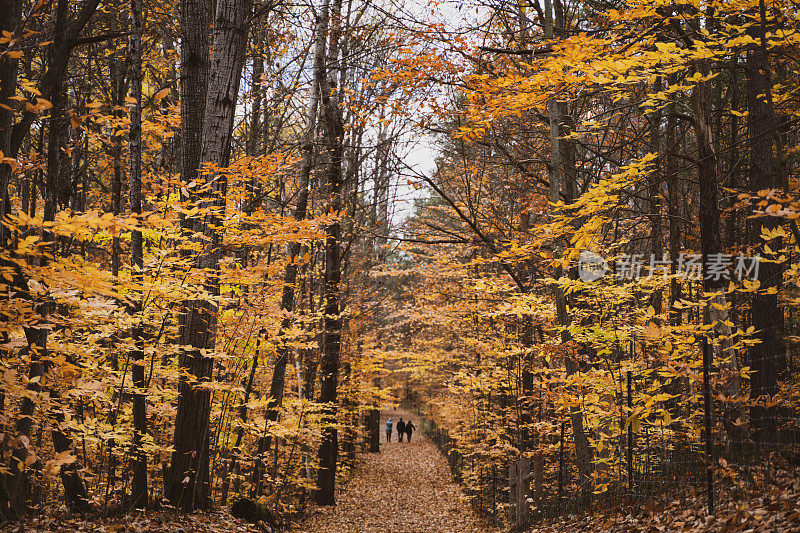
(377, 498)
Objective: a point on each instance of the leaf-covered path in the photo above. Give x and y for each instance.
(407, 487)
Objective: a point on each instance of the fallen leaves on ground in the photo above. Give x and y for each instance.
(219, 521)
(407, 487)
(777, 511)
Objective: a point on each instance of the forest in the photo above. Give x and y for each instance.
(238, 237)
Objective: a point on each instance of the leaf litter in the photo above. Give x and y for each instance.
(405, 488)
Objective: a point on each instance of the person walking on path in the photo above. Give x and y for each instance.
(409, 430)
(389, 431)
(401, 428)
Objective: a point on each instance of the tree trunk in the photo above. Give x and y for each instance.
(329, 364)
(195, 26)
(188, 484)
(654, 184)
(139, 499)
(55, 71)
(673, 193)
(10, 16)
(373, 430)
(118, 82)
(765, 357)
(559, 167)
(278, 383)
(276, 390)
(74, 490)
(58, 124)
(18, 482)
(716, 312)
(180, 485)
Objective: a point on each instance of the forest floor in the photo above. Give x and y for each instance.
(219, 521)
(770, 509)
(406, 487)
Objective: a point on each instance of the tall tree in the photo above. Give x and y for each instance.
(188, 483)
(188, 473)
(767, 315)
(10, 18)
(139, 497)
(562, 161)
(333, 132)
(16, 497)
(288, 294)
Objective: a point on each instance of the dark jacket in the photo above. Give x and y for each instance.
(410, 427)
(401, 427)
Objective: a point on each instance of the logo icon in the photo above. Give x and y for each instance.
(591, 266)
